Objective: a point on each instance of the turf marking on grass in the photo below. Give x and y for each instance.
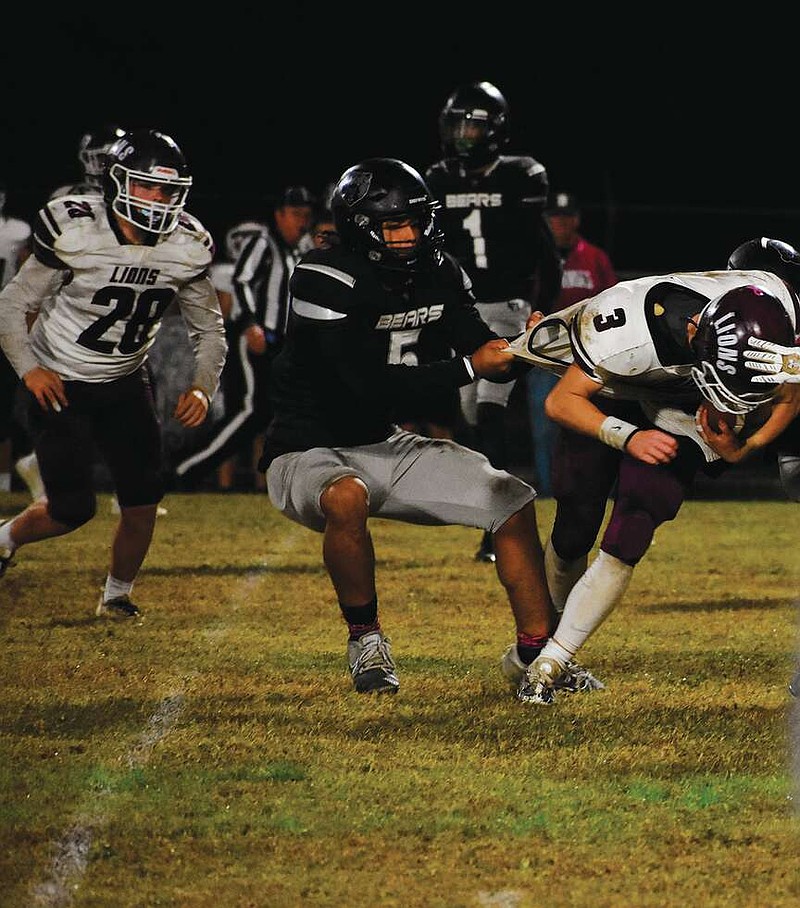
(505, 898)
(71, 851)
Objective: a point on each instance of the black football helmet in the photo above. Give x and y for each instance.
(723, 329)
(473, 125)
(765, 254)
(385, 189)
(147, 158)
(93, 152)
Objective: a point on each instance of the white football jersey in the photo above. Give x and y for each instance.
(104, 316)
(629, 338)
(14, 234)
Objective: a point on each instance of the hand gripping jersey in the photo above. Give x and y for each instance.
(351, 351)
(103, 300)
(493, 224)
(631, 338)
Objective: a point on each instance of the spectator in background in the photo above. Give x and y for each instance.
(16, 446)
(493, 218)
(586, 270)
(261, 295)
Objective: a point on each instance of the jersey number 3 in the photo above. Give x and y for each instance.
(139, 310)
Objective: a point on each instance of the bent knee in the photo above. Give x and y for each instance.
(73, 509)
(345, 499)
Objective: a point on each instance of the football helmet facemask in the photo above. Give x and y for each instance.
(723, 329)
(142, 164)
(473, 125)
(765, 254)
(93, 151)
(381, 190)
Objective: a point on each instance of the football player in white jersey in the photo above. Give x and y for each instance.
(15, 442)
(103, 271)
(653, 389)
(92, 154)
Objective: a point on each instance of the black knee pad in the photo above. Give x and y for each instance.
(72, 508)
(646, 497)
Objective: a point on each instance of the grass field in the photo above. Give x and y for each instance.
(215, 755)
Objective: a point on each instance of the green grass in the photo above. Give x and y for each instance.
(215, 754)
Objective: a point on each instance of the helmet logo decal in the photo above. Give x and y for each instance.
(355, 188)
(725, 327)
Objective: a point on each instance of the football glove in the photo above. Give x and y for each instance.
(776, 364)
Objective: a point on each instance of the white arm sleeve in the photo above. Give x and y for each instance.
(33, 283)
(199, 306)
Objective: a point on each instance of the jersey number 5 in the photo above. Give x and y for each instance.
(140, 310)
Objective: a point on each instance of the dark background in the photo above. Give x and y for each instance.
(679, 140)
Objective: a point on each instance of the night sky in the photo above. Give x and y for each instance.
(680, 143)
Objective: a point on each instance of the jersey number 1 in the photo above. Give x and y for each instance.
(472, 224)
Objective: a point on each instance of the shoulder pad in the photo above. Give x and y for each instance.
(65, 225)
(195, 241)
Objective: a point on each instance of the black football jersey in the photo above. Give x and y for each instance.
(494, 225)
(351, 353)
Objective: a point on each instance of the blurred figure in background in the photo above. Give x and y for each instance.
(586, 270)
(260, 297)
(16, 446)
(494, 225)
(92, 155)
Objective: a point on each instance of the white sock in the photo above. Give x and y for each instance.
(27, 468)
(592, 598)
(5, 482)
(115, 588)
(6, 542)
(561, 575)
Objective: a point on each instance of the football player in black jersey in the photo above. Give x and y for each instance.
(494, 225)
(334, 456)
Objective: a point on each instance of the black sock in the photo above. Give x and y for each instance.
(361, 619)
(529, 647)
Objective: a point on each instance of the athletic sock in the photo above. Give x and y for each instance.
(361, 619)
(562, 575)
(529, 647)
(592, 598)
(115, 588)
(6, 542)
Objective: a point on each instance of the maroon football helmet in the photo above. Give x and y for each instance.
(723, 329)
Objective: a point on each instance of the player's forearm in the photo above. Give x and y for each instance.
(24, 293)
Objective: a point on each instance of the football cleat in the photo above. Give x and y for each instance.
(486, 551)
(371, 664)
(118, 607)
(538, 684)
(574, 679)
